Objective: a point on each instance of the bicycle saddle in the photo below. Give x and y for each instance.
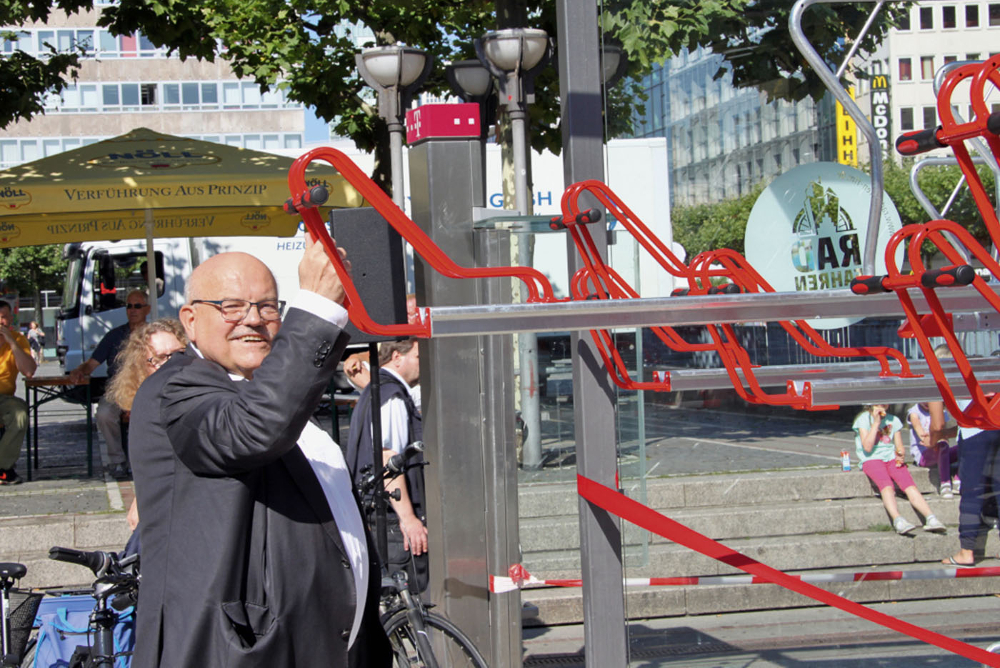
(12, 571)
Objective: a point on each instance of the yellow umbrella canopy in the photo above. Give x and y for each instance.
(191, 188)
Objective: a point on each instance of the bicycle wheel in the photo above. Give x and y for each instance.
(452, 648)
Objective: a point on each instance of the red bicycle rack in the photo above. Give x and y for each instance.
(598, 280)
(304, 201)
(952, 134)
(984, 410)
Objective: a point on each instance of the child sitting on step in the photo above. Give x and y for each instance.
(880, 450)
(930, 454)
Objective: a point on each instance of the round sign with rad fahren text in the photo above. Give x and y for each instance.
(807, 231)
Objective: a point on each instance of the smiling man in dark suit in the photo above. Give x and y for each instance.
(254, 552)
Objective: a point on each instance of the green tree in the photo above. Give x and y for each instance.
(703, 227)
(31, 269)
(938, 184)
(302, 45)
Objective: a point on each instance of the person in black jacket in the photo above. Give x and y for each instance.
(401, 426)
(255, 552)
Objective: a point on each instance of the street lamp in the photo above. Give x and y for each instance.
(514, 56)
(472, 82)
(395, 72)
(613, 64)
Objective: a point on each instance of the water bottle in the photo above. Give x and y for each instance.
(845, 460)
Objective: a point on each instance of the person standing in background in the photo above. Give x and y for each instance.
(15, 358)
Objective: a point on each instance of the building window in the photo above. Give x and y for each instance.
(930, 117)
(904, 20)
(906, 118)
(972, 56)
(926, 67)
(148, 94)
(950, 59)
(948, 17)
(972, 16)
(927, 18)
(905, 69)
(994, 15)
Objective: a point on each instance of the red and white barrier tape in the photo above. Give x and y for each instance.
(632, 511)
(520, 578)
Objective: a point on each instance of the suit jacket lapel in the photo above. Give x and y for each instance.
(303, 475)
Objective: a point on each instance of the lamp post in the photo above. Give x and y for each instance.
(514, 56)
(613, 64)
(395, 72)
(472, 82)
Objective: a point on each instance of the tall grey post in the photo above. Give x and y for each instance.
(593, 396)
(468, 413)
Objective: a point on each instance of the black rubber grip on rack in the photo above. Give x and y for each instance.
(993, 123)
(920, 141)
(679, 292)
(725, 289)
(95, 561)
(866, 285)
(588, 216)
(556, 223)
(962, 274)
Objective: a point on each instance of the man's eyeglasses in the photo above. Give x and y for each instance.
(156, 361)
(130, 307)
(235, 310)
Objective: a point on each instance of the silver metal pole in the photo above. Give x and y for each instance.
(396, 151)
(832, 83)
(527, 342)
(605, 632)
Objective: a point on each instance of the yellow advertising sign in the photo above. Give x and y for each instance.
(847, 135)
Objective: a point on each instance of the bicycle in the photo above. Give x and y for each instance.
(17, 613)
(114, 591)
(419, 638)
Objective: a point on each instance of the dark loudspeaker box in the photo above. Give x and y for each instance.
(375, 250)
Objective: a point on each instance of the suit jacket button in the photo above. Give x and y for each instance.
(345, 563)
(345, 634)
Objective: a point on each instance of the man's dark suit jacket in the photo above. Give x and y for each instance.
(242, 562)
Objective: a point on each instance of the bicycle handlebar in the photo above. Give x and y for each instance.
(98, 562)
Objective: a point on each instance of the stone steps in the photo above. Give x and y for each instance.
(27, 540)
(819, 520)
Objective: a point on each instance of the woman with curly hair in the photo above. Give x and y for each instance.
(146, 350)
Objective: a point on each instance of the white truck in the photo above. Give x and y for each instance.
(101, 274)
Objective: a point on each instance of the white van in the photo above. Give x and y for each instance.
(101, 274)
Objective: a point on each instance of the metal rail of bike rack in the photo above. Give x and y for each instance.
(832, 82)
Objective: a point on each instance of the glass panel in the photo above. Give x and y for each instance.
(171, 94)
(110, 95)
(9, 154)
(231, 95)
(88, 97)
(65, 39)
(45, 37)
(948, 17)
(252, 142)
(29, 150)
(130, 95)
(51, 147)
(209, 93)
(293, 141)
(927, 18)
(189, 94)
(109, 44)
(972, 16)
(905, 69)
(994, 15)
(146, 48)
(271, 142)
(926, 67)
(251, 94)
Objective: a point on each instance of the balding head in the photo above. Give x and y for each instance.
(239, 347)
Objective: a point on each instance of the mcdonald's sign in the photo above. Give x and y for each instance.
(847, 135)
(881, 112)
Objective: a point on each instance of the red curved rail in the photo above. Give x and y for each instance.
(598, 280)
(984, 411)
(538, 287)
